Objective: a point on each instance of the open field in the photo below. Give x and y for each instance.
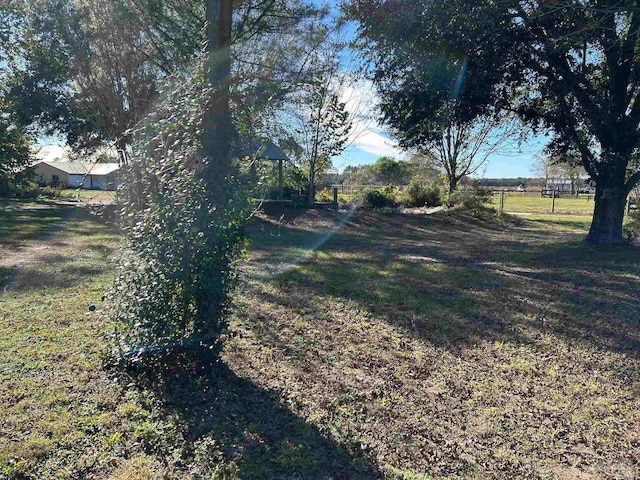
(517, 202)
(402, 347)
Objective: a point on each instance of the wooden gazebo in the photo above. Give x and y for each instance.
(265, 149)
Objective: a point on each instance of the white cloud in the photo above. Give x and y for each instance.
(371, 141)
(362, 102)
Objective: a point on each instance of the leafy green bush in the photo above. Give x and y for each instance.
(171, 295)
(22, 189)
(325, 195)
(631, 228)
(422, 193)
(288, 192)
(50, 192)
(379, 198)
(471, 198)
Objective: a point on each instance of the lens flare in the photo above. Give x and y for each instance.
(460, 82)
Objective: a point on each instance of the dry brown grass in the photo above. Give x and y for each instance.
(453, 347)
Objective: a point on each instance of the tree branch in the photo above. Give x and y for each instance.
(633, 181)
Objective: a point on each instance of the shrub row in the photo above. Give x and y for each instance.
(424, 193)
(419, 193)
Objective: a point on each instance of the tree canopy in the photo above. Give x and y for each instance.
(92, 70)
(571, 66)
(390, 169)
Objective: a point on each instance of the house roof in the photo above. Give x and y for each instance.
(102, 168)
(79, 168)
(72, 168)
(262, 148)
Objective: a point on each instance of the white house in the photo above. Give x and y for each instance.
(96, 176)
(563, 185)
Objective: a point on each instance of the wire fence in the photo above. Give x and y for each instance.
(548, 202)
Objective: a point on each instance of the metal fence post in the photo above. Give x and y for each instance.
(553, 201)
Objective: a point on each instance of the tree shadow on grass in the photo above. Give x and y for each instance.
(588, 293)
(6, 275)
(62, 275)
(454, 280)
(72, 265)
(38, 220)
(283, 244)
(402, 270)
(234, 421)
(423, 325)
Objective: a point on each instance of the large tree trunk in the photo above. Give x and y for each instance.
(611, 196)
(218, 132)
(453, 183)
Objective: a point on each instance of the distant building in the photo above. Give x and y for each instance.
(94, 176)
(563, 185)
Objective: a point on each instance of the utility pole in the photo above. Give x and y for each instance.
(218, 131)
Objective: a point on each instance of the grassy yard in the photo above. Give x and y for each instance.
(518, 202)
(89, 196)
(364, 346)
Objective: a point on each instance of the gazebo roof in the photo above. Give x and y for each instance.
(262, 148)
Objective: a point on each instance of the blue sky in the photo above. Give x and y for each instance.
(497, 166)
(370, 145)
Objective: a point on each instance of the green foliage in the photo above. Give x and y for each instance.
(42, 38)
(379, 198)
(420, 84)
(387, 170)
(329, 124)
(359, 175)
(566, 66)
(471, 198)
(52, 192)
(289, 192)
(423, 193)
(390, 169)
(325, 195)
(293, 180)
(15, 154)
(183, 234)
(631, 229)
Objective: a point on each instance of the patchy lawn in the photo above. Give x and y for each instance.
(405, 347)
(454, 348)
(100, 197)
